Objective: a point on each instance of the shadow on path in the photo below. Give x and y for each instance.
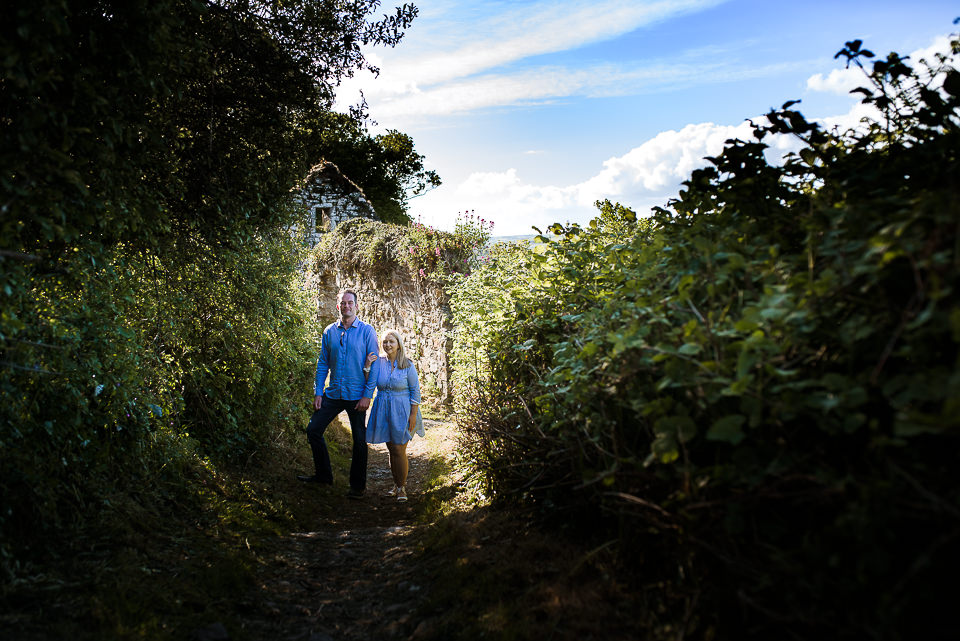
(351, 574)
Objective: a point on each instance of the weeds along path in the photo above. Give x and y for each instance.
(351, 573)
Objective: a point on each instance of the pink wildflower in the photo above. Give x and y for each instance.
(422, 272)
(437, 251)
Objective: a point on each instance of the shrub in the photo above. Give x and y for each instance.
(759, 385)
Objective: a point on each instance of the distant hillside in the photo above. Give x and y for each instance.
(528, 238)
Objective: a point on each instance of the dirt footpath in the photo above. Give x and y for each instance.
(351, 574)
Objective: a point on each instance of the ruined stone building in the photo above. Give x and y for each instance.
(331, 197)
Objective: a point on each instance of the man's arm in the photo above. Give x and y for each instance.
(323, 368)
(371, 346)
(371, 383)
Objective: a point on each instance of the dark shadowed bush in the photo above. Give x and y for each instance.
(150, 318)
(758, 386)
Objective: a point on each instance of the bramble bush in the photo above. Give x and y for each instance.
(756, 389)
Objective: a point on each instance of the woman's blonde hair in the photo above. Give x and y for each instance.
(402, 361)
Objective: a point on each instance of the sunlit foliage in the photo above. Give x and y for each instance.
(755, 390)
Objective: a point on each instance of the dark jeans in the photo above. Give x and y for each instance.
(329, 409)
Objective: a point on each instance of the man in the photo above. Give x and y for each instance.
(344, 347)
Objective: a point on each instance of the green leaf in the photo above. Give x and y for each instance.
(589, 350)
(681, 427)
(688, 349)
(727, 429)
(746, 361)
(665, 448)
(526, 346)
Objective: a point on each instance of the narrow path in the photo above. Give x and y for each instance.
(351, 574)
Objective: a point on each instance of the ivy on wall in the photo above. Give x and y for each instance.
(430, 254)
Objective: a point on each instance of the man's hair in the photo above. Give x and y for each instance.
(348, 291)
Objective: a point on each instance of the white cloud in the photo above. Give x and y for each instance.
(853, 119)
(842, 81)
(659, 165)
(502, 197)
(839, 81)
(645, 176)
(449, 70)
(940, 45)
(482, 92)
(466, 47)
(506, 187)
(544, 84)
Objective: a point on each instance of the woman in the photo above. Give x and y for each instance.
(395, 415)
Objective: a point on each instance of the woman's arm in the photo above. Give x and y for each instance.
(413, 383)
(412, 424)
(371, 359)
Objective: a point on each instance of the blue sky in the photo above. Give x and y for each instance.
(532, 110)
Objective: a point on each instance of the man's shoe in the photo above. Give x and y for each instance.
(354, 493)
(312, 479)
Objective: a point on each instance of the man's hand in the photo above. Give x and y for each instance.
(317, 400)
(363, 403)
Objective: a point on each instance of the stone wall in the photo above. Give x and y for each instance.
(395, 299)
(331, 198)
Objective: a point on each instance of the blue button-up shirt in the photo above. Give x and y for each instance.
(343, 354)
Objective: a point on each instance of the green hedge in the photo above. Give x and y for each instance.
(121, 376)
(759, 385)
(150, 320)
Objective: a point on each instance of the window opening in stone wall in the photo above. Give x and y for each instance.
(323, 218)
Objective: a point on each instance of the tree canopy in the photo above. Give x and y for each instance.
(139, 118)
(386, 166)
(149, 312)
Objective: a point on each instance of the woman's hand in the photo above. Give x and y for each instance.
(371, 358)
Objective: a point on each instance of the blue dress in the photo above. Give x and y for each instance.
(397, 389)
